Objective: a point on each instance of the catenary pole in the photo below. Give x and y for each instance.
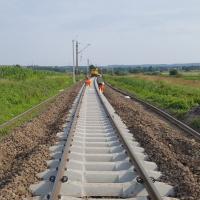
(74, 78)
(77, 57)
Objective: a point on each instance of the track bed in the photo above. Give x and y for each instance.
(98, 157)
(176, 152)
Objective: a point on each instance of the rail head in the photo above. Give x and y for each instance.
(165, 115)
(153, 192)
(60, 174)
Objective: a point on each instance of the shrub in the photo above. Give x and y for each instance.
(173, 72)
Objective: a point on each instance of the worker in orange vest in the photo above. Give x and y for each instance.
(101, 87)
(100, 83)
(88, 81)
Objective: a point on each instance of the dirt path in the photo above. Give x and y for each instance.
(23, 153)
(176, 153)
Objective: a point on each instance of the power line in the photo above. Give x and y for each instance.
(77, 55)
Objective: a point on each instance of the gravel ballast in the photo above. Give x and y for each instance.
(24, 151)
(176, 153)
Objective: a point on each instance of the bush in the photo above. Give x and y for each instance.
(173, 72)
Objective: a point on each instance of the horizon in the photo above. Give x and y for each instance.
(111, 65)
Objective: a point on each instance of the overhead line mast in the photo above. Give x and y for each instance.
(76, 62)
(74, 79)
(77, 52)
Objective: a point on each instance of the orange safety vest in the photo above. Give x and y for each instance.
(88, 82)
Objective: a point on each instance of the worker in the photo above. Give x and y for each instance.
(88, 81)
(100, 83)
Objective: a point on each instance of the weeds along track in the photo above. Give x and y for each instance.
(162, 113)
(97, 157)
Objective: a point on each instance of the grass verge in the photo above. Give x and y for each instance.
(25, 118)
(175, 98)
(21, 89)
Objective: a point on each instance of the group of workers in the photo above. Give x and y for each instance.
(100, 82)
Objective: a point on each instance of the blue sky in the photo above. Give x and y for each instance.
(120, 31)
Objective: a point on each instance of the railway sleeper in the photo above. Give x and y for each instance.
(98, 164)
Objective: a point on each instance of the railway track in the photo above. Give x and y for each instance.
(162, 113)
(97, 157)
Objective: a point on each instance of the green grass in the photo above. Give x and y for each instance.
(190, 75)
(195, 123)
(29, 116)
(177, 99)
(21, 89)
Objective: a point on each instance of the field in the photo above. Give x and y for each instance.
(191, 75)
(180, 96)
(21, 89)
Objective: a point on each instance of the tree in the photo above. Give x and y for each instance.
(18, 66)
(173, 72)
(92, 67)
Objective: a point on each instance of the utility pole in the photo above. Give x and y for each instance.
(74, 78)
(77, 52)
(77, 57)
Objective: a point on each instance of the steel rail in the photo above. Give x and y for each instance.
(150, 187)
(18, 117)
(165, 115)
(61, 169)
(146, 180)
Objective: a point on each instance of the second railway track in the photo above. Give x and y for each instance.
(97, 157)
(160, 112)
